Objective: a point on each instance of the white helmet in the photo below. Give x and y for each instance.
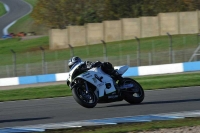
(74, 60)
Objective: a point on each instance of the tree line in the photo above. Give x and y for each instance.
(61, 13)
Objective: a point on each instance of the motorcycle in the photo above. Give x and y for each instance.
(92, 86)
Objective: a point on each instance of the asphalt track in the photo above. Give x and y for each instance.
(43, 111)
(17, 9)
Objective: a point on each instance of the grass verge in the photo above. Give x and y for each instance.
(147, 82)
(2, 9)
(133, 127)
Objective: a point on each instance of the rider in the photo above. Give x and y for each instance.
(105, 66)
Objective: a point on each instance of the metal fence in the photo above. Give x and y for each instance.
(131, 60)
(137, 52)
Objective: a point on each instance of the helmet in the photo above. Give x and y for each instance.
(74, 60)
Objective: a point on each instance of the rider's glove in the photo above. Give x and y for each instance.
(68, 82)
(97, 64)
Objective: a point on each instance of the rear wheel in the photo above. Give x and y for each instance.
(131, 90)
(84, 98)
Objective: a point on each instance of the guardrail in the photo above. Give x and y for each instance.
(132, 71)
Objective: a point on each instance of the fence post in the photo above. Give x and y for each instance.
(14, 62)
(150, 58)
(71, 50)
(46, 67)
(27, 69)
(7, 71)
(153, 51)
(128, 60)
(174, 56)
(43, 60)
(104, 50)
(170, 48)
(65, 65)
(198, 43)
(138, 51)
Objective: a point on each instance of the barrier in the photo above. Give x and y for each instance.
(132, 71)
(28, 80)
(191, 66)
(46, 78)
(126, 28)
(61, 76)
(59, 38)
(9, 81)
(160, 69)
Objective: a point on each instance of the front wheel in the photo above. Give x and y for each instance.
(131, 90)
(84, 98)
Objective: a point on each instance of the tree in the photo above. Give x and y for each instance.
(60, 13)
(193, 4)
(115, 9)
(152, 8)
(90, 12)
(49, 12)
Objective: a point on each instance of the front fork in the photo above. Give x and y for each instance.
(87, 90)
(86, 87)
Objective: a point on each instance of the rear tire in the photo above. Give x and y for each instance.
(87, 100)
(133, 95)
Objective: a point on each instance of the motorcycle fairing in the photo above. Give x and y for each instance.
(72, 71)
(99, 79)
(121, 69)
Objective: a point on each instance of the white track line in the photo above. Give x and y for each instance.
(115, 120)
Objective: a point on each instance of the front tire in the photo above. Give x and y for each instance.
(87, 100)
(133, 95)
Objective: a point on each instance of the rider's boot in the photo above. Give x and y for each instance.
(116, 75)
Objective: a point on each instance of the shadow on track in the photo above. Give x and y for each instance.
(25, 119)
(153, 102)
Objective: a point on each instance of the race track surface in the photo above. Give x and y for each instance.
(31, 112)
(18, 8)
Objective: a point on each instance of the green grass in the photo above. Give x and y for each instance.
(147, 82)
(22, 46)
(169, 81)
(35, 93)
(2, 9)
(127, 47)
(133, 127)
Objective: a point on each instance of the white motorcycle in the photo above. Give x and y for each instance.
(92, 86)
